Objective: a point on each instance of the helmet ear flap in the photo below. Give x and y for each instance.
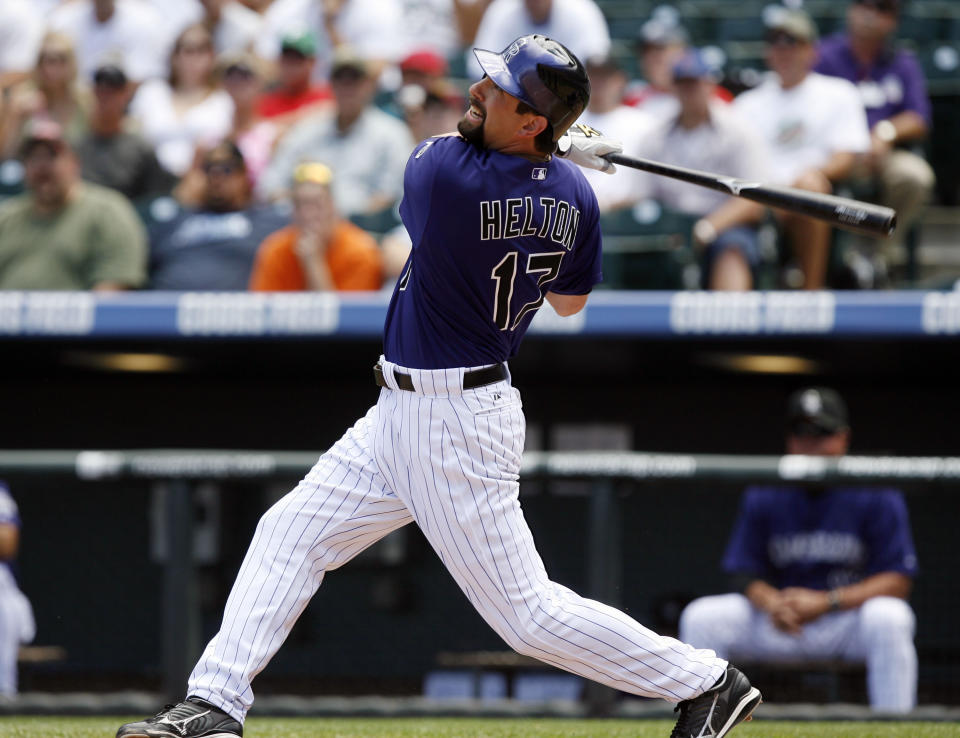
(571, 88)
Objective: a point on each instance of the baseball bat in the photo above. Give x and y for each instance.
(843, 212)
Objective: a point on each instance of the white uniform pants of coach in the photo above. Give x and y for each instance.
(17, 626)
(879, 634)
(449, 459)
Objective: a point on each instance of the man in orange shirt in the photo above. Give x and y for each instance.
(321, 251)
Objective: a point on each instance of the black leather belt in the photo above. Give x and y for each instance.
(471, 379)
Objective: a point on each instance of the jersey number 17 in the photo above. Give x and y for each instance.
(505, 273)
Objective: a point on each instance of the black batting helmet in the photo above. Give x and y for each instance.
(542, 73)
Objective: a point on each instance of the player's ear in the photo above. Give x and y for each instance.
(533, 126)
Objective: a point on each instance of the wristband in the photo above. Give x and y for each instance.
(833, 599)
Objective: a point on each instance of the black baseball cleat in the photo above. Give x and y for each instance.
(719, 710)
(192, 718)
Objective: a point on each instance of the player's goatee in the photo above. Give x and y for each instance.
(473, 134)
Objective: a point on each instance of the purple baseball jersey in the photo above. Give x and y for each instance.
(492, 234)
(793, 537)
(893, 84)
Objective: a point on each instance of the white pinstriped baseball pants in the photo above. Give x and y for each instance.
(448, 459)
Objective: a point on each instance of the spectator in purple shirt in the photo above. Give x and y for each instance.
(894, 93)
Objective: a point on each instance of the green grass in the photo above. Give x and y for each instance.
(82, 727)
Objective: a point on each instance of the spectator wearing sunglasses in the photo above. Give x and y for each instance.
(212, 247)
(112, 154)
(814, 127)
(188, 108)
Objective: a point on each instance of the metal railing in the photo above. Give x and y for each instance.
(181, 470)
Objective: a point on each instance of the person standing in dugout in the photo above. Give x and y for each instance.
(501, 219)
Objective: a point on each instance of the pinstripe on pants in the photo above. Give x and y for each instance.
(448, 459)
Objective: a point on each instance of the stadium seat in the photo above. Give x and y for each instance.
(941, 60)
(744, 67)
(626, 56)
(458, 65)
(464, 684)
(379, 222)
(921, 29)
(541, 687)
(11, 178)
(647, 247)
(625, 28)
(941, 66)
(829, 15)
(828, 24)
(750, 28)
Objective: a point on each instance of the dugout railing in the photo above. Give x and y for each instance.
(182, 470)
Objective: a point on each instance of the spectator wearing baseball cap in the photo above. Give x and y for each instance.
(427, 100)
(661, 42)
(422, 67)
(899, 114)
(294, 93)
(366, 147)
(820, 571)
(814, 126)
(62, 233)
(320, 251)
(112, 154)
(706, 134)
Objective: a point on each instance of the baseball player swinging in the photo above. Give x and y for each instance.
(499, 224)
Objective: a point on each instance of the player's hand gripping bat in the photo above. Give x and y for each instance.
(589, 148)
(842, 212)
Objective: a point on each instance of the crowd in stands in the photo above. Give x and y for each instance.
(228, 145)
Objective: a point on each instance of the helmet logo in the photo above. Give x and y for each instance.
(811, 402)
(514, 48)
